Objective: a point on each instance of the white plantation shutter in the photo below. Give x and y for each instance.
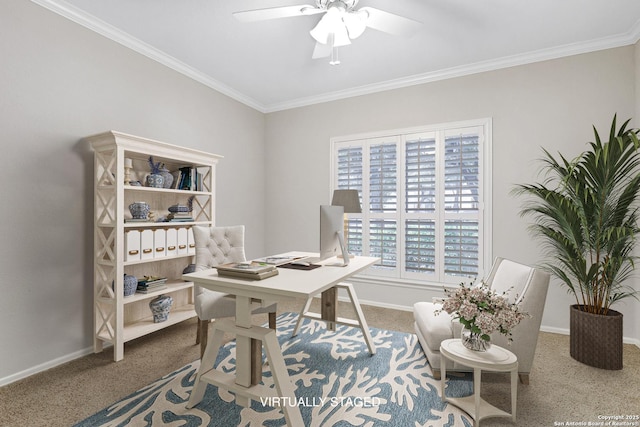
(420, 174)
(383, 242)
(354, 236)
(461, 248)
(382, 178)
(349, 170)
(349, 177)
(422, 199)
(461, 202)
(420, 246)
(420, 205)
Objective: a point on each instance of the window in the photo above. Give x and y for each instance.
(424, 198)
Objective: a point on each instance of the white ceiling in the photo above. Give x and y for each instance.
(268, 65)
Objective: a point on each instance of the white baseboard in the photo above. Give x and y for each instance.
(543, 328)
(44, 366)
(553, 330)
(379, 304)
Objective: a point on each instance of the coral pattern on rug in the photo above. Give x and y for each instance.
(338, 384)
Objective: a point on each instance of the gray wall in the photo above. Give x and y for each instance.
(550, 104)
(60, 82)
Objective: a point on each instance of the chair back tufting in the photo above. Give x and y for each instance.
(218, 245)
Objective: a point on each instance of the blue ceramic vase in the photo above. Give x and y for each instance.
(155, 180)
(139, 210)
(167, 178)
(160, 307)
(130, 285)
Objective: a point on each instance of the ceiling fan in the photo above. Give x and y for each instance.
(341, 23)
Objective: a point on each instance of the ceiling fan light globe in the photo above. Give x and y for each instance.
(321, 31)
(356, 23)
(331, 24)
(341, 38)
(319, 36)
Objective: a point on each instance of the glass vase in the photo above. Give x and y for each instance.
(474, 341)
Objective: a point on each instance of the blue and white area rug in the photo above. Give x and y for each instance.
(338, 384)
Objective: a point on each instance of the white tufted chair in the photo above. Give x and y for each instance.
(215, 246)
(529, 285)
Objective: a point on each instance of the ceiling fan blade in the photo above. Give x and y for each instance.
(321, 51)
(390, 22)
(276, 12)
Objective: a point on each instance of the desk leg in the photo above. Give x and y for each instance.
(361, 320)
(206, 364)
(329, 303)
(246, 361)
(281, 380)
(305, 310)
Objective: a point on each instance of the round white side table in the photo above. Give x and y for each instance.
(496, 359)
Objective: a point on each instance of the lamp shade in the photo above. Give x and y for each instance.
(347, 198)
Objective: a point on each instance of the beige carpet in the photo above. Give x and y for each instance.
(561, 390)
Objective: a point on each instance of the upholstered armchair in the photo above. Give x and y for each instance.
(216, 246)
(525, 285)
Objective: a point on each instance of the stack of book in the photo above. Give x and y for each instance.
(151, 283)
(279, 259)
(247, 270)
(187, 178)
(180, 217)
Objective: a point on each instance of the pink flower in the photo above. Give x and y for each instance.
(486, 322)
(482, 308)
(451, 305)
(468, 311)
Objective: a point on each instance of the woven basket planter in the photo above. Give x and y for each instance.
(595, 339)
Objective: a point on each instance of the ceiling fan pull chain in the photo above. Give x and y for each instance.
(334, 57)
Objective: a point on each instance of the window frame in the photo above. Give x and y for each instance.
(400, 137)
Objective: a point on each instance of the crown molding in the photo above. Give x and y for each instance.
(94, 24)
(80, 17)
(630, 37)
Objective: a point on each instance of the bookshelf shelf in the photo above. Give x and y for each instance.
(118, 319)
(172, 286)
(144, 326)
(164, 224)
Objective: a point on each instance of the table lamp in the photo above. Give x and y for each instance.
(350, 200)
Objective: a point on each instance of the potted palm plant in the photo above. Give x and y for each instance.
(586, 214)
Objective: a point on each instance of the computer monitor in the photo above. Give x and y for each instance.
(331, 233)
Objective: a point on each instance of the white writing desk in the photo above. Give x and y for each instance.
(288, 284)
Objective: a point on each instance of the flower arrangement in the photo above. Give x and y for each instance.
(482, 311)
(154, 167)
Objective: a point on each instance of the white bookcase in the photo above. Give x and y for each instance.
(118, 319)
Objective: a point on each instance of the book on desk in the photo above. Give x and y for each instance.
(247, 270)
(278, 260)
